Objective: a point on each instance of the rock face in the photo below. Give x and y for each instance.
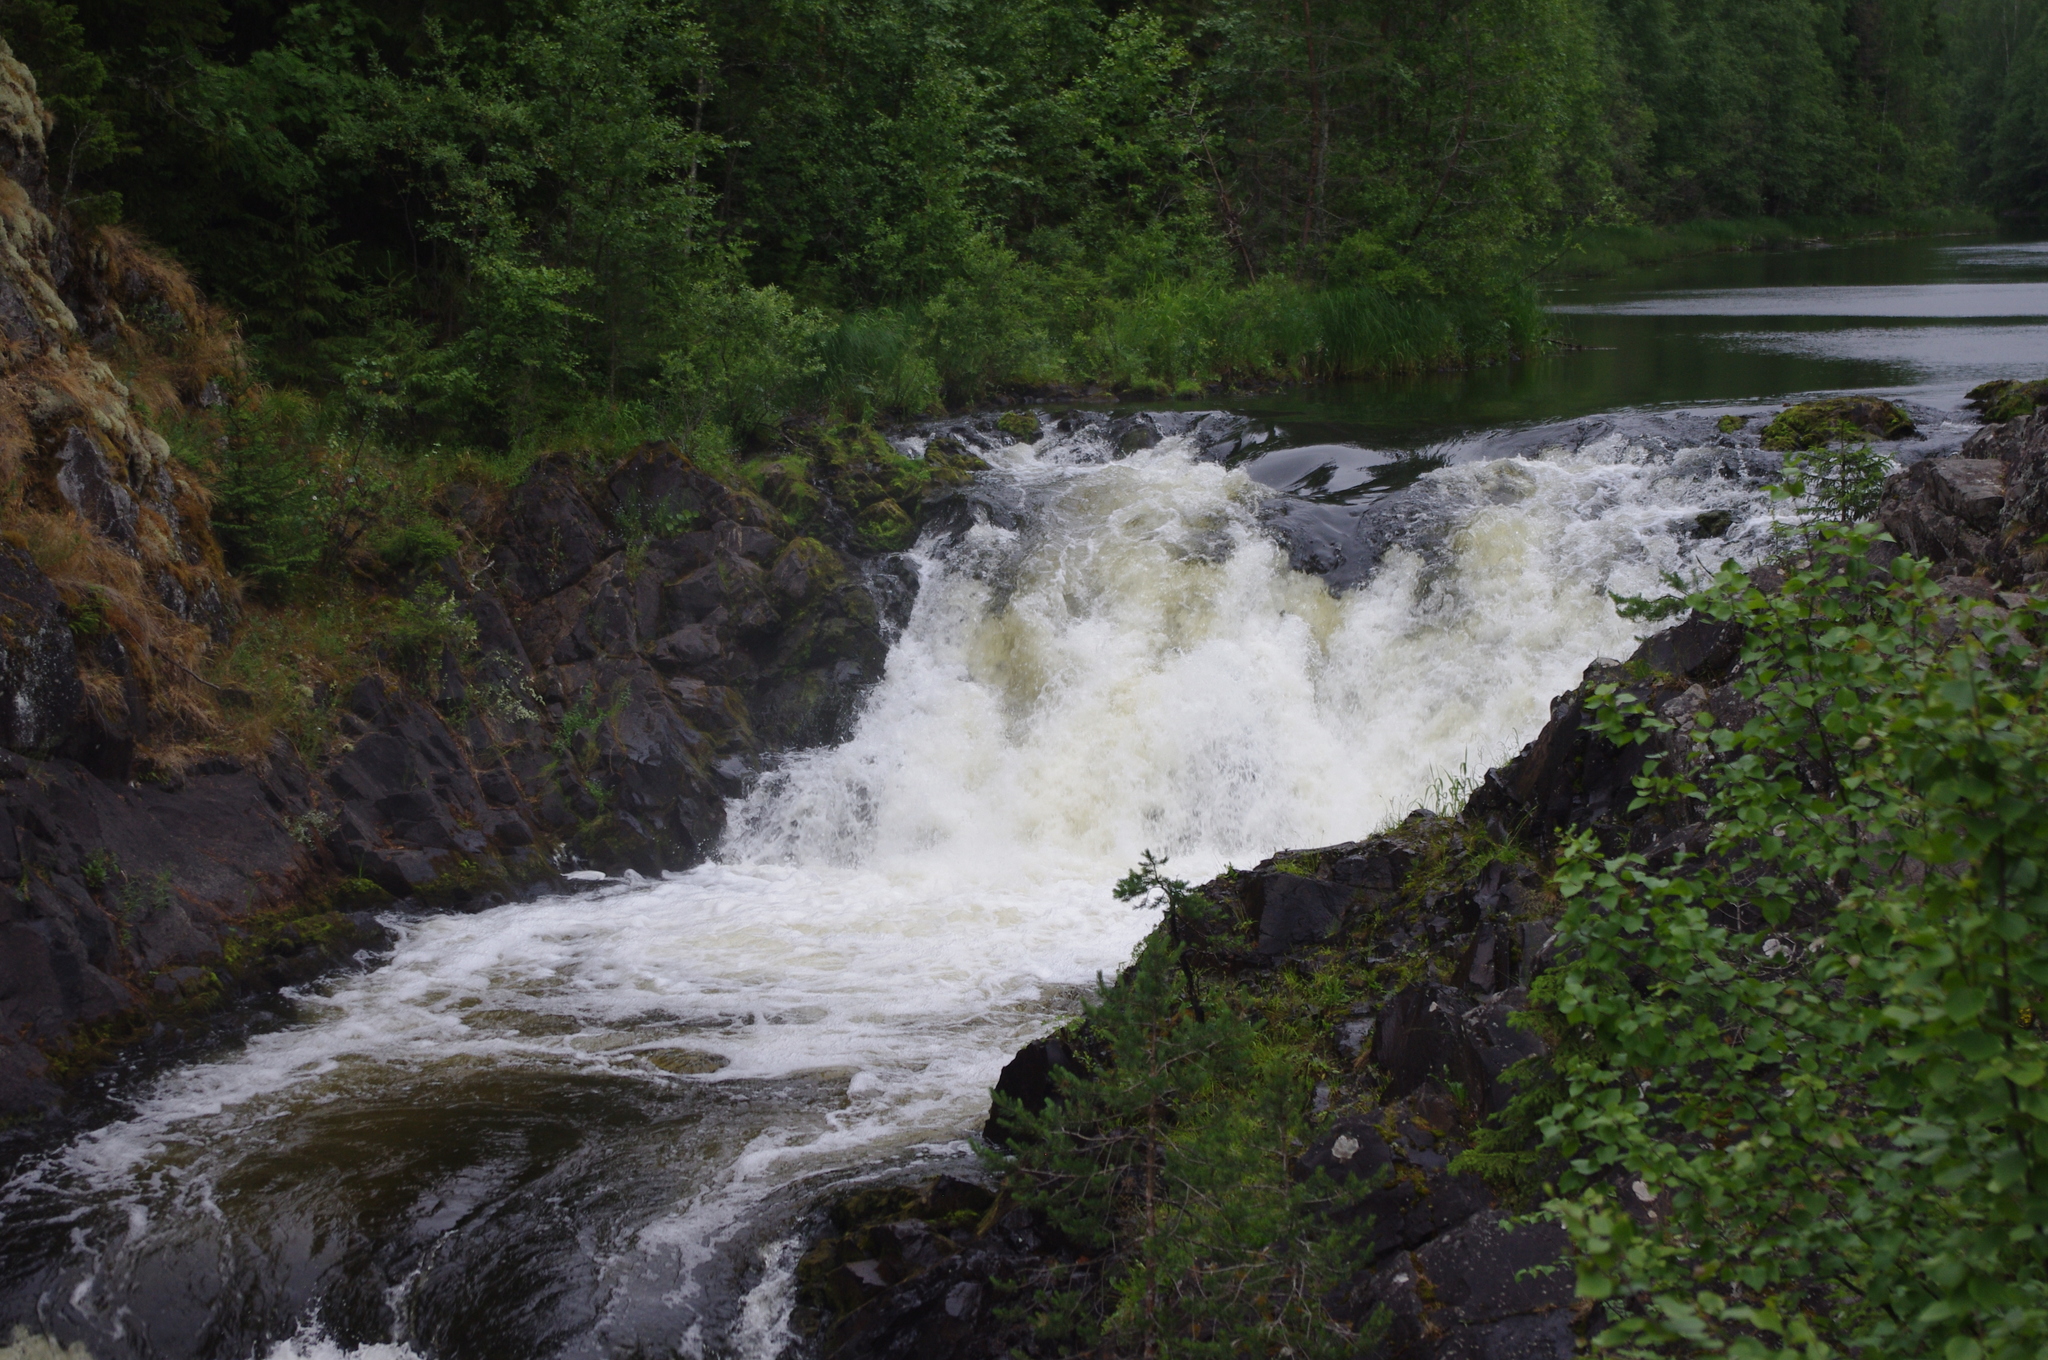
(1982, 512)
(645, 638)
(637, 657)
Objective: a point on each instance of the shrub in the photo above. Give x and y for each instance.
(1817, 1043)
(406, 549)
(423, 628)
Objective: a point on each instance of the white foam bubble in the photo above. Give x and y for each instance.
(311, 1343)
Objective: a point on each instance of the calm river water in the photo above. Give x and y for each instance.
(588, 1127)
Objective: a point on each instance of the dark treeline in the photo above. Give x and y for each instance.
(477, 217)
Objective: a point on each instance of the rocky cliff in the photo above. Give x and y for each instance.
(616, 651)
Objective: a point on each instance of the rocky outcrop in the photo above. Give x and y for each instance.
(2007, 399)
(1984, 511)
(625, 648)
(637, 654)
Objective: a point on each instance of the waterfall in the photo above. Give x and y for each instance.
(568, 1126)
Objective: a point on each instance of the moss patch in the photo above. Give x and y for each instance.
(1019, 425)
(2004, 399)
(1817, 424)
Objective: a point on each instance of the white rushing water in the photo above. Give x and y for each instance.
(1134, 669)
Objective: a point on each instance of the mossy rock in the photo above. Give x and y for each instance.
(357, 894)
(1730, 424)
(1021, 426)
(805, 570)
(2004, 399)
(885, 527)
(947, 463)
(464, 881)
(1817, 424)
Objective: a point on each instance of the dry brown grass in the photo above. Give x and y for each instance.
(172, 342)
(107, 590)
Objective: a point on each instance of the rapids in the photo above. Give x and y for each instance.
(584, 1126)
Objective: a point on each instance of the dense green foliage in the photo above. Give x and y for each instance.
(476, 218)
(1172, 1161)
(1815, 1049)
(2001, 50)
(1754, 106)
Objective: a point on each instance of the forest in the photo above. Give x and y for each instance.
(482, 222)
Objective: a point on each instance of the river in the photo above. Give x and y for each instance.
(590, 1126)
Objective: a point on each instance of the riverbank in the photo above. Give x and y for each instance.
(1601, 251)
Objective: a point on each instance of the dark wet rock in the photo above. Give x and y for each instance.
(1476, 1289)
(1971, 514)
(659, 492)
(932, 1285)
(1354, 1037)
(1570, 775)
(1028, 1080)
(804, 571)
(1421, 1038)
(1484, 1270)
(1351, 1149)
(1498, 1044)
(1696, 649)
(120, 884)
(1999, 443)
(552, 536)
(1295, 910)
(1132, 433)
(1402, 1212)
(955, 512)
(1542, 1336)
(2023, 517)
(1712, 524)
(90, 487)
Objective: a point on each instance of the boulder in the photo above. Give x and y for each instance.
(1479, 1290)
(1954, 511)
(1817, 424)
(658, 492)
(1296, 910)
(1420, 1038)
(2003, 400)
(1484, 1270)
(1028, 1080)
(89, 486)
(2023, 518)
(1350, 1150)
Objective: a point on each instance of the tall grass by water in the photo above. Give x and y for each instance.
(1175, 338)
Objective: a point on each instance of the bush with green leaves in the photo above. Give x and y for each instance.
(422, 630)
(1172, 1153)
(1805, 1064)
